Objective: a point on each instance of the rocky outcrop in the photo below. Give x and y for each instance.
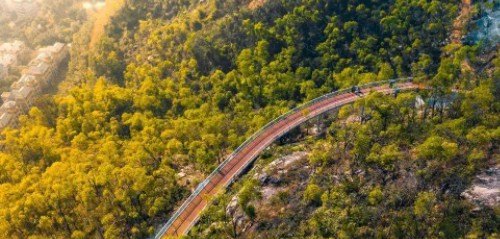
(485, 189)
(270, 179)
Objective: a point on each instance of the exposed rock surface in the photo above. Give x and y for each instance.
(285, 162)
(232, 209)
(270, 179)
(485, 189)
(271, 173)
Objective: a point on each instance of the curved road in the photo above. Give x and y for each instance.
(187, 215)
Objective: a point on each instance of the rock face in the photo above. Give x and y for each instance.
(485, 189)
(232, 209)
(284, 162)
(270, 179)
(272, 172)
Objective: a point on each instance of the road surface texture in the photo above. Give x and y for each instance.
(187, 215)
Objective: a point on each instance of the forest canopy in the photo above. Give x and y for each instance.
(176, 85)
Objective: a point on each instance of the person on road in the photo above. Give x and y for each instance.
(355, 89)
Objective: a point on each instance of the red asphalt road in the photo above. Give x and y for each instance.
(232, 169)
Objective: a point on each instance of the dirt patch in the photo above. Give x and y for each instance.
(461, 21)
(256, 4)
(189, 177)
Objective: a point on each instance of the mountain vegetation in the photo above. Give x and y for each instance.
(176, 85)
(384, 169)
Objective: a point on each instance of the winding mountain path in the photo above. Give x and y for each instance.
(187, 215)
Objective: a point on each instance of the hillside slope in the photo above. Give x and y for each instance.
(173, 86)
(385, 168)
